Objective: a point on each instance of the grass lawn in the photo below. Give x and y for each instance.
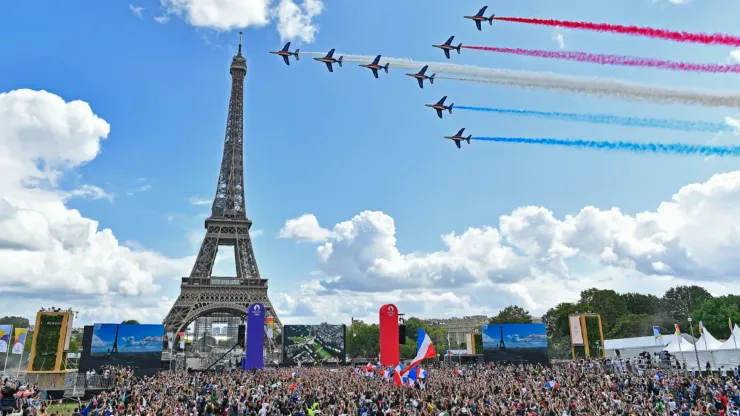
(66, 408)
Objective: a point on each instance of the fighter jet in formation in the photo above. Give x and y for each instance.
(329, 59)
(459, 137)
(440, 106)
(478, 18)
(447, 47)
(375, 66)
(285, 53)
(421, 77)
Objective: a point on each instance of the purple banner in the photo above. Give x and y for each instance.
(255, 337)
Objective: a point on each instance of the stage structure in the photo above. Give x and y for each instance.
(204, 298)
(586, 335)
(50, 343)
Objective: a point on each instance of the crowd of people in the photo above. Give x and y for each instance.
(577, 388)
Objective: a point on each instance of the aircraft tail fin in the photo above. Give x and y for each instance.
(340, 60)
(450, 109)
(297, 51)
(386, 67)
(468, 138)
(458, 48)
(431, 79)
(490, 20)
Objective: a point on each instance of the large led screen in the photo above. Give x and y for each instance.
(515, 342)
(309, 344)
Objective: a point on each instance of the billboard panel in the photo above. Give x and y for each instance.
(103, 339)
(576, 331)
(140, 339)
(515, 342)
(308, 344)
(131, 345)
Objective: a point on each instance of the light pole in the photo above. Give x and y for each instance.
(695, 351)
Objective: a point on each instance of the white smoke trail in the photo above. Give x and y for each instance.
(551, 81)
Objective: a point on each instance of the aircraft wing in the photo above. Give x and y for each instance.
(439, 113)
(457, 142)
(477, 24)
(285, 48)
(421, 82)
(482, 10)
(449, 41)
(375, 72)
(330, 54)
(287, 61)
(328, 65)
(376, 60)
(447, 53)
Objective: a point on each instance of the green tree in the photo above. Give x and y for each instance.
(16, 321)
(680, 302)
(714, 313)
(363, 340)
(512, 315)
(641, 304)
(130, 321)
(607, 303)
(558, 328)
(631, 325)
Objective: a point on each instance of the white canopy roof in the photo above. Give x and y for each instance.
(675, 347)
(707, 342)
(729, 344)
(635, 342)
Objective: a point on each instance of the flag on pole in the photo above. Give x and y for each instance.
(732, 328)
(20, 340)
(701, 327)
(424, 349)
(5, 337)
(657, 335)
(678, 331)
(397, 374)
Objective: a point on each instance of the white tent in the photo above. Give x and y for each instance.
(632, 347)
(673, 347)
(728, 354)
(707, 342)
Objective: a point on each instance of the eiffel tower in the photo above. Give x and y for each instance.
(201, 294)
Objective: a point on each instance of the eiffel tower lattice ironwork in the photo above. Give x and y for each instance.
(202, 294)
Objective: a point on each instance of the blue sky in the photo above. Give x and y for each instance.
(337, 144)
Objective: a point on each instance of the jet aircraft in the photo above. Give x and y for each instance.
(440, 106)
(421, 77)
(285, 53)
(447, 47)
(459, 137)
(375, 66)
(329, 59)
(478, 18)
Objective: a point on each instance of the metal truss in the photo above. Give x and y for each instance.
(204, 295)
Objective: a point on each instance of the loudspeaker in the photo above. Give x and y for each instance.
(401, 334)
(242, 335)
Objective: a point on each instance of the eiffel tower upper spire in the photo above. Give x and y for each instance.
(229, 201)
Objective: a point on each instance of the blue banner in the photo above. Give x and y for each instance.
(255, 337)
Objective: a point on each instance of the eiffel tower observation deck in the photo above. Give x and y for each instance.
(208, 300)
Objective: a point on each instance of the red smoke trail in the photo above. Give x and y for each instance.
(705, 38)
(622, 60)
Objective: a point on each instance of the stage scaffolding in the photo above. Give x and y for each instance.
(218, 331)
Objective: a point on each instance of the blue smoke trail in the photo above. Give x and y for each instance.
(660, 123)
(667, 148)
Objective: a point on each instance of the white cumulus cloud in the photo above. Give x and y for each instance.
(294, 20)
(304, 228)
(49, 251)
(533, 258)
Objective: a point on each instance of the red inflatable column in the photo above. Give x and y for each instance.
(390, 350)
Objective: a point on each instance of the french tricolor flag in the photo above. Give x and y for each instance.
(397, 375)
(424, 349)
